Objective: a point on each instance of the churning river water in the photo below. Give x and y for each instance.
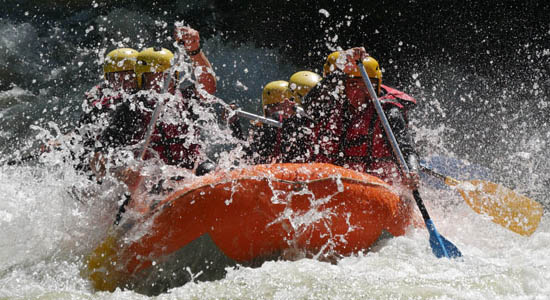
(47, 226)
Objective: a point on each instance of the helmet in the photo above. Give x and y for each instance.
(118, 60)
(371, 66)
(300, 83)
(205, 168)
(330, 64)
(275, 92)
(153, 60)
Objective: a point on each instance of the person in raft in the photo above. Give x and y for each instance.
(280, 100)
(100, 102)
(120, 81)
(175, 142)
(347, 130)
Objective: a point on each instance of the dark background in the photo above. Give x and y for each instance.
(473, 32)
(480, 69)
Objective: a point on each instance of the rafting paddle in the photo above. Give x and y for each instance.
(253, 117)
(100, 267)
(244, 114)
(505, 207)
(441, 247)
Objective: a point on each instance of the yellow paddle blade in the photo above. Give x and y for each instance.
(100, 266)
(506, 207)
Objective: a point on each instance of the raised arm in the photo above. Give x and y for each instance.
(204, 73)
(400, 129)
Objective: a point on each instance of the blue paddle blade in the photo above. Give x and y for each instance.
(441, 247)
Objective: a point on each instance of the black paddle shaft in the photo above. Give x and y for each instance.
(420, 205)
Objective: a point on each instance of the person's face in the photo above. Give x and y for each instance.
(155, 82)
(284, 108)
(152, 81)
(357, 91)
(124, 80)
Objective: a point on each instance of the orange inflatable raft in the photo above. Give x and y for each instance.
(253, 213)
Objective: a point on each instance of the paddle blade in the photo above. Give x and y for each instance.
(506, 207)
(441, 247)
(100, 266)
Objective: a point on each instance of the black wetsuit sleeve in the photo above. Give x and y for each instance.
(237, 130)
(125, 123)
(262, 145)
(400, 130)
(296, 140)
(86, 118)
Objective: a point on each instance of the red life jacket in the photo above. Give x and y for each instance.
(360, 143)
(168, 139)
(94, 94)
(98, 103)
(106, 102)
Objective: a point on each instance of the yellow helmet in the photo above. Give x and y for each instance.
(275, 92)
(118, 60)
(330, 64)
(370, 64)
(372, 67)
(300, 83)
(153, 60)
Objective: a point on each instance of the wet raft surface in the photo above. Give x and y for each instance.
(252, 214)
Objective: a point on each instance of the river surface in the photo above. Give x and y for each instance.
(48, 224)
